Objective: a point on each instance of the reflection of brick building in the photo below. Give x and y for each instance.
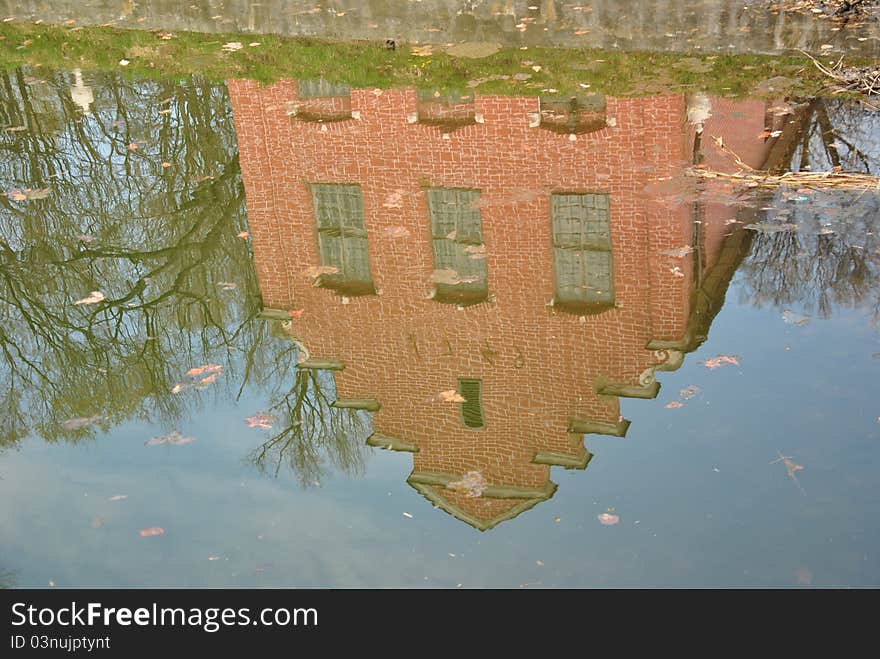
(563, 301)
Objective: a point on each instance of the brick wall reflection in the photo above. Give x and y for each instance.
(541, 368)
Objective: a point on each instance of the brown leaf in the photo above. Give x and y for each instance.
(93, 298)
(153, 530)
(450, 396)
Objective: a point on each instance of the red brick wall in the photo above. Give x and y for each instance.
(538, 365)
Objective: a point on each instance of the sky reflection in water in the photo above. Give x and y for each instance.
(555, 253)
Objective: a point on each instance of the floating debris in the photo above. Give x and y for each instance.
(92, 298)
(173, 437)
(28, 194)
(204, 370)
(81, 422)
(674, 405)
(689, 391)
(451, 278)
(118, 497)
(449, 396)
(769, 227)
(316, 271)
(608, 519)
(791, 318)
(260, 420)
(473, 484)
(720, 360)
(679, 252)
(393, 200)
(395, 232)
(153, 530)
(205, 381)
(790, 467)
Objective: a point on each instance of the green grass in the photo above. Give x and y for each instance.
(370, 64)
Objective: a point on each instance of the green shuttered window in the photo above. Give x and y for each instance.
(457, 235)
(583, 267)
(342, 237)
(472, 407)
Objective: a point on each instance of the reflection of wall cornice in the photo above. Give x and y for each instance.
(430, 485)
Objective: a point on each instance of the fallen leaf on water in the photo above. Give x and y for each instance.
(177, 388)
(118, 497)
(93, 298)
(204, 370)
(407, 515)
(473, 484)
(296, 314)
(318, 270)
(243, 235)
(803, 576)
(205, 381)
(607, 519)
(173, 437)
(451, 277)
(166, 165)
(674, 405)
(689, 391)
(28, 194)
(260, 420)
(81, 422)
(720, 360)
(393, 200)
(679, 252)
(450, 396)
(395, 232)
(767, 227)
(132, 147)
(153, 530)
(14, 129)
(791, 318)
(790, 467)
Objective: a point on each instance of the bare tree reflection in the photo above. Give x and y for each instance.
(155, 239)
(313, 432)
(831, 260)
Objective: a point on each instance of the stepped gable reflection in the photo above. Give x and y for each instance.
(493, 256)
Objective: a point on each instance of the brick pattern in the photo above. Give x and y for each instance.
(538, 365)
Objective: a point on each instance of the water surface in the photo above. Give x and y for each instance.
(432, 339)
